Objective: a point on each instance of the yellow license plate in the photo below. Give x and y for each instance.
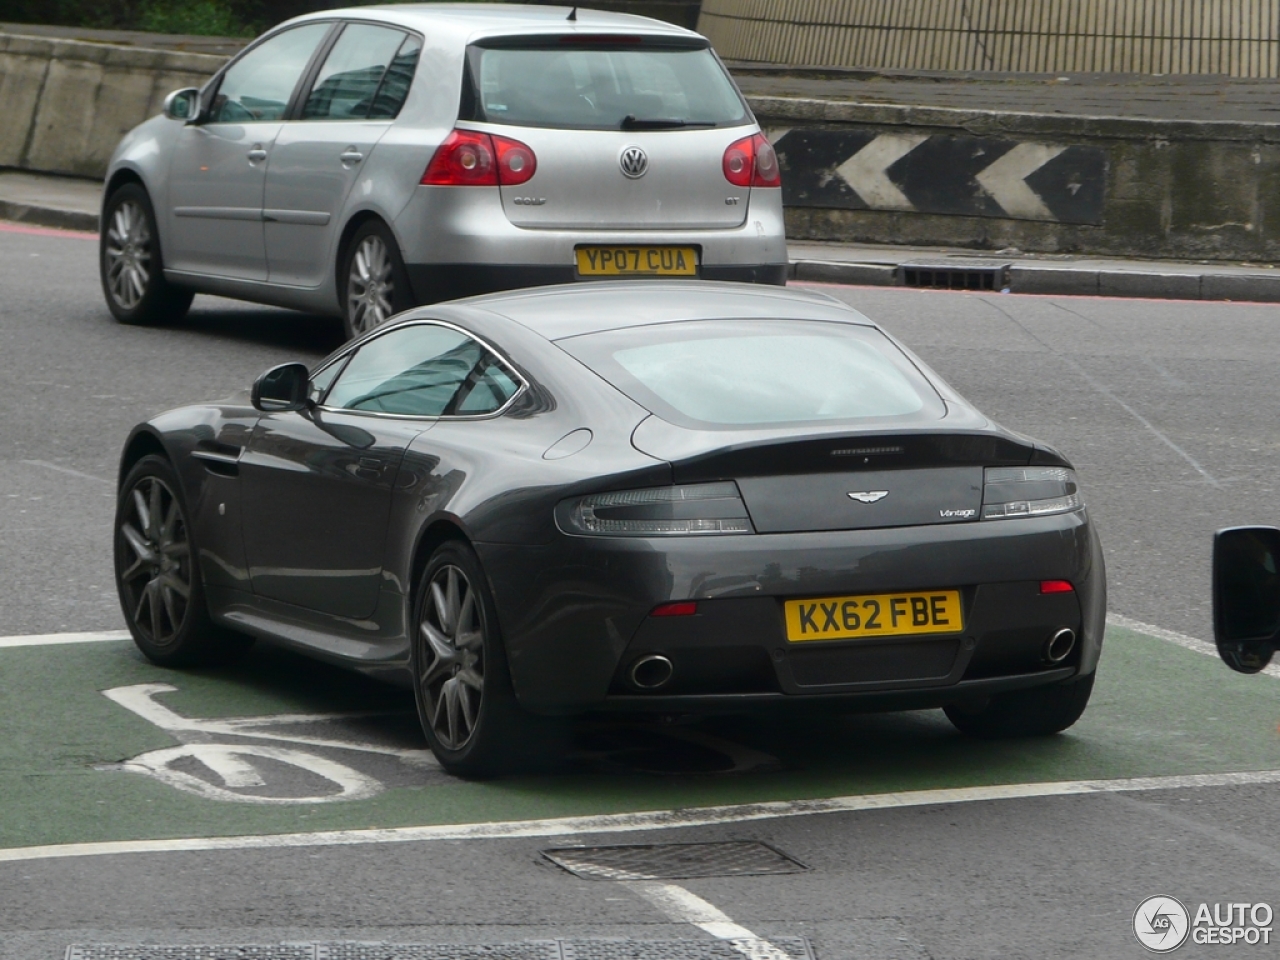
(874, 615)
(637, 261)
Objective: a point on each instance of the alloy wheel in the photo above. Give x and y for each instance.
(128, 254)
(370, 285)
(157, 583)
(451, 668)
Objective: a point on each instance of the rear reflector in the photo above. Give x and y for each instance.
(1056, 586)
(682, 608)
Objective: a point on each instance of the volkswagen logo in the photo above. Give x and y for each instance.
(634, 163)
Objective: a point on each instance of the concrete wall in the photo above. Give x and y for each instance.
(1237, 37)
(913, 175)
(66, 104)
(858, 172)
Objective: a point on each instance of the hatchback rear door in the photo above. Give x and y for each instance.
(626, 131)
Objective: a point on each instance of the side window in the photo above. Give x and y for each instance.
(395, 85)
(422, 370)
(259, 85)
(487, 388)
(353, 72)
(320, 381)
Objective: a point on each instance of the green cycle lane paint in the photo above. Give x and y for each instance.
(1158, 710)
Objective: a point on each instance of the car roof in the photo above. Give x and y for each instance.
(468, 22)
(571, 310)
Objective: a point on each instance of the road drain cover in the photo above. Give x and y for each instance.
(794, 948)
(674, 861)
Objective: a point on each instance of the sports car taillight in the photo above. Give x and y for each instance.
(1009, 492)
(751, 162)
(468, 158)
(692, 509)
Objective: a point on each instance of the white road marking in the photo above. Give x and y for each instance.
(228, 762)
(644, 821)
(139, 699)
(867, 170)
(67, 470)
(1100, 388)
(48, 639)
(1006, 180)
(681, 905)
(1180, 639)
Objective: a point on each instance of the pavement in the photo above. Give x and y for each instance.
(1201, 98)
(72, 204)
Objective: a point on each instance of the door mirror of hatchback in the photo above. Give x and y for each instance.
(282, 388)
(1246, 596)
(183, 104)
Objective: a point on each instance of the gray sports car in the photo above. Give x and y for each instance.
(640, 495)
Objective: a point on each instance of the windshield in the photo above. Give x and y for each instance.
(601, 87)
(725, 373)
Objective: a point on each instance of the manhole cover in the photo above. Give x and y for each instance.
(674, 861)
(529, 950)
(794, 948)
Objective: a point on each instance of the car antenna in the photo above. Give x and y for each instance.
(573, 14)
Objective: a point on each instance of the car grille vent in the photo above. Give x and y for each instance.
(966, 275)
(674, 861)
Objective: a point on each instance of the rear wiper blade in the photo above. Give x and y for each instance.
(631, 122)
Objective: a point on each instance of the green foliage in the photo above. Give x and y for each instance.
(208, 18)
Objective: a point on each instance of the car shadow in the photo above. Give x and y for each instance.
(893, 747)
(303, 333)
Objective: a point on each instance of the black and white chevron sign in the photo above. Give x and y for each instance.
(941, 173)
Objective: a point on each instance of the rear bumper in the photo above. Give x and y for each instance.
(433, 282)
(458, 240)
(575, 615)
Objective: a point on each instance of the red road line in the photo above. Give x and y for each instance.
(46, 231)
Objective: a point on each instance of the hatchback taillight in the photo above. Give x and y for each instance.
(516, 162)
(468, 158)
(752, 162)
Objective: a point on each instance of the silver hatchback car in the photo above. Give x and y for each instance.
(358, 162)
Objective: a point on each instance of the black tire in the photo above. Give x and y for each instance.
(466, 702)
(373, 284)
(156, 561)
(130, 264)
(1037, 712)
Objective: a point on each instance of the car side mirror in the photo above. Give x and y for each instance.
(1246, 596)
(183, 104)
(282, 388)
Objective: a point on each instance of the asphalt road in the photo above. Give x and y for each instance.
(1163, 406)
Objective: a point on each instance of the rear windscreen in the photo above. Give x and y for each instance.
(601, 87)
(726, 373)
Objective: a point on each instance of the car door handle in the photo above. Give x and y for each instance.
(259, 152)
(351, 156)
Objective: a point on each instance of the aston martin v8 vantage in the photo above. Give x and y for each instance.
(640, 496)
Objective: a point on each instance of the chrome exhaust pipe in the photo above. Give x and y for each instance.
(651, 671)
(1059, 646)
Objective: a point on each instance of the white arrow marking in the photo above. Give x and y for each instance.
(866, 170)
(1006, 180)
